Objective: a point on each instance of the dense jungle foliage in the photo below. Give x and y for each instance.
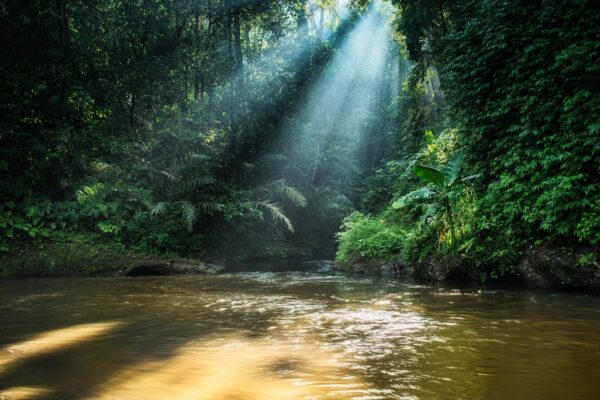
(240, 127)
(163, 126)
(521, 83)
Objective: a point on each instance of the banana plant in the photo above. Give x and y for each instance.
(441, 192)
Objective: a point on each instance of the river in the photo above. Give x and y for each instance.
(294, 331)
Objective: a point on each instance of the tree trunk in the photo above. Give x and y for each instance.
(197, 52)
(301, 19)
(228, 35)
(238, 40)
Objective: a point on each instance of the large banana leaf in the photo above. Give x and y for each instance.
(452, 167)
(429, 211)
(430, 174)
(420, 194)
(450, 195)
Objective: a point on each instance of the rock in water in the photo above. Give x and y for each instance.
(171, 267)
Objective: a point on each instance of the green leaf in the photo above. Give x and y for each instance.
(277, 213)
(210, 207)
(280, 188)
(431, 209)
(197, 182)
(158, 208)
(106, 227)
(189, 214)
(429, 174)
(430, 142)
(452, 168)
(470, 177)
(420, 194)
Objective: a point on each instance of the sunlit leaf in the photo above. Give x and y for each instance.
(452, 167)
(158, 208)
(276, 213)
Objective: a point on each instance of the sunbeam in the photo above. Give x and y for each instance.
(262, 72)
(340, 102)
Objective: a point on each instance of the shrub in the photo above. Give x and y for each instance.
(366, 237)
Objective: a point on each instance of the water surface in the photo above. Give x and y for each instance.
(298, 331)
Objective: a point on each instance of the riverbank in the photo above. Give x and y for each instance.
(81, 256)
(545, 267)
(557, 268)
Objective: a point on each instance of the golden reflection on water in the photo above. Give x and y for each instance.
(57, 339)
(225, 367)
(24, 393)
(234, 367)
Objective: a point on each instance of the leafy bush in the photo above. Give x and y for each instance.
(364, 237)
(95, 208)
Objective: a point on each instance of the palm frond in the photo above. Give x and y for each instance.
(210, 207)
(194, 183)
(159, 208)
(276, 213)
(188, 213)
(290, 193)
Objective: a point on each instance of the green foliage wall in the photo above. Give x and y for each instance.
(522, 79)
(520, 82)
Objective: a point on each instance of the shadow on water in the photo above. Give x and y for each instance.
(176, 337)
(225, 366)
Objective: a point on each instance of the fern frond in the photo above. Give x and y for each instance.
(276, 213)
(210, 207)
(168, 175)
(197, 182)
(188, 213)
(158, 208)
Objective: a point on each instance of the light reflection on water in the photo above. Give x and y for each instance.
(303, 334)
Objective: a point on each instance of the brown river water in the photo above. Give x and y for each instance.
(295, 331)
